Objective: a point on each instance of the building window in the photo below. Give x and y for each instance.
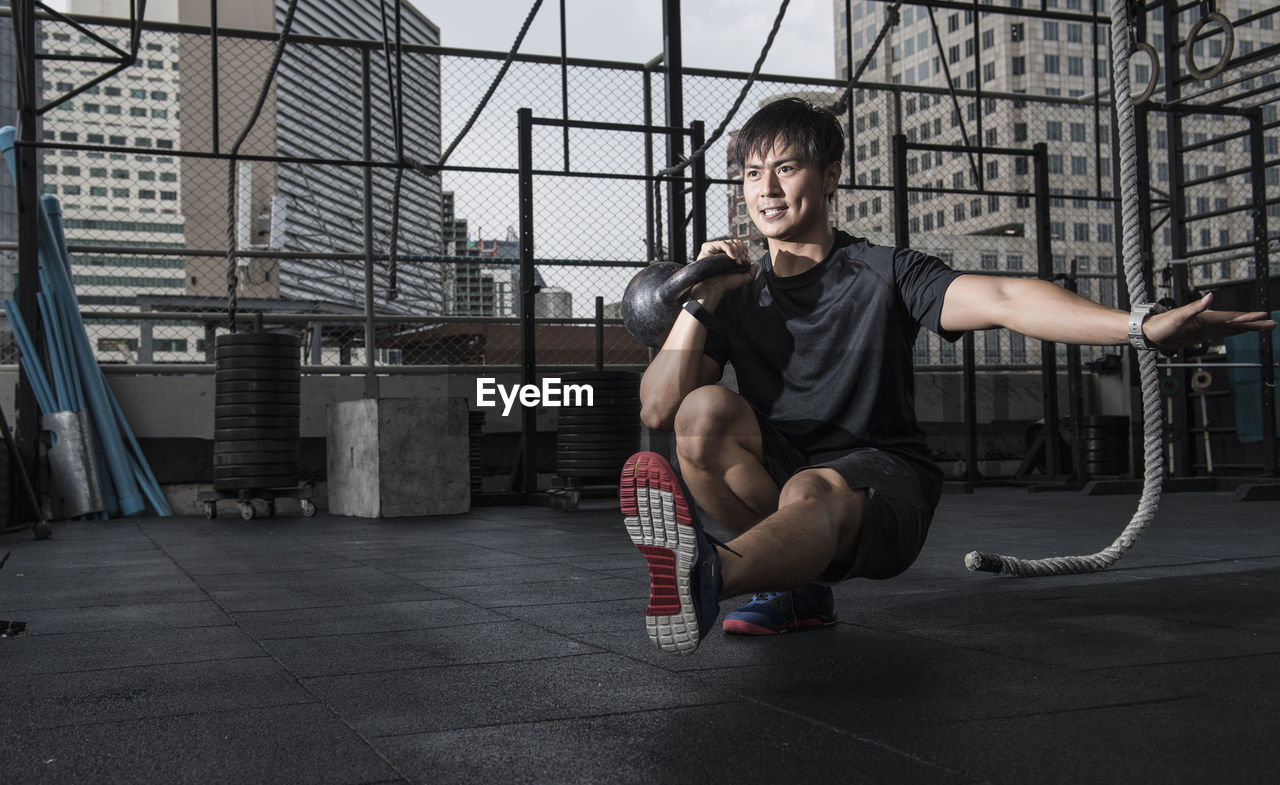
(1051, 66)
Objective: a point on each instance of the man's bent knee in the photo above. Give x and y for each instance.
(829, 488)
(712, 419)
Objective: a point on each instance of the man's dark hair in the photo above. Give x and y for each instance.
(812, 133)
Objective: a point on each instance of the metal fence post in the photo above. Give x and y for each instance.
(370, 335)
(1262, 274)
(1048, 349)
(528, 480)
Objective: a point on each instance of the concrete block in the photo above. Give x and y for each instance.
(398, 457)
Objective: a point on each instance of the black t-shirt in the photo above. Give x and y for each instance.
(826, 355)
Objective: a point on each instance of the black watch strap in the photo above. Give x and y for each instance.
(696, 310)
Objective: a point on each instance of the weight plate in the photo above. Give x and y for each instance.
(1105, 456)
(256, 339)
(291, 386)
(258, 398)
(256, 434)
(606, 378)
(600, 413)
(1106, 444)
(252, 483)
(255, 410)
(266, 473)
(284, 460)
(258, 375)
(242, 352)
(256, 445)
(227, 423)
(594, 463)
(258, 364)
(1170, 386)
(588, 439)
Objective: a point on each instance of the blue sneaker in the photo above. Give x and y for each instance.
(684, 567)
(771, 613)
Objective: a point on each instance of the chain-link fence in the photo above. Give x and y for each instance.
(333, 220)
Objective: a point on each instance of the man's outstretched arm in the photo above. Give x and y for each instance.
(1042, 310)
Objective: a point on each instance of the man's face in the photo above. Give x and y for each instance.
(786, 195)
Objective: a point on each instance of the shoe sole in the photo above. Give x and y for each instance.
(734, 627)
(659, 522)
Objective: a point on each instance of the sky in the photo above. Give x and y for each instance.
(725, 34)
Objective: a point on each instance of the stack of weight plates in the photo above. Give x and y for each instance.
(256, 410)
(475, 440)
(593, 442)
(1106, 445)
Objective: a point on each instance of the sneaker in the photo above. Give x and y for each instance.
(684, 567)
(771, 613)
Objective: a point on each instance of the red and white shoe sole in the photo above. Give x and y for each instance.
(735, 627)
(659, 522)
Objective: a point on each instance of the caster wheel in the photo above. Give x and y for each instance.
(555, 501)
(308, 509)
(246, 510)
(570, 502)
(210, 510)
(271, 509)
(43, 531)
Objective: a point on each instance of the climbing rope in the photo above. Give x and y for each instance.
(506, 64)
(684, 163)
(890, 21)
(1153, 420)
(233, 279)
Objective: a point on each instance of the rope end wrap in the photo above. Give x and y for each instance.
(983, 562)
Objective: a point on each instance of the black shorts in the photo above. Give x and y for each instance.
(901, 498)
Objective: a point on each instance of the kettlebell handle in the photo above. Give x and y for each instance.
(696, 272)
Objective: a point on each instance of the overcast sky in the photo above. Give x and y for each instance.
(717, 33)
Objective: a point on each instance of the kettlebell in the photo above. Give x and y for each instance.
(652, 299)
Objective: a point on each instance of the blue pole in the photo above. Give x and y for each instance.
(30, 359)
(131, 502)
(57, 366)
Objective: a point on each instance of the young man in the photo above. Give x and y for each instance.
(817, 465)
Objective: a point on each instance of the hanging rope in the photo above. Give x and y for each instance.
(890, 21)
(1153, 420)
(233, 280)
(528, 20)
(684, 163)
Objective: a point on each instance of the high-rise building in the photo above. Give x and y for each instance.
(965, 209)
(127, 194)
(138, 192)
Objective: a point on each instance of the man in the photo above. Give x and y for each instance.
(817, 465)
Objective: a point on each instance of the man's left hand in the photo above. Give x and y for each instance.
(1194, 323)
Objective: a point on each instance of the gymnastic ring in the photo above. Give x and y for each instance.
(1227, 49)
(1143, 46)
(1201, 379)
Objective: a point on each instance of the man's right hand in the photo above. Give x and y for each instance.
(710, 291)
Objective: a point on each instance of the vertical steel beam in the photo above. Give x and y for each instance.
(27, 417)
(699, 182)
(1048, 349)
(528, 478)
(901, 236)
(370, 328)
(673, 61)
(1262, 273)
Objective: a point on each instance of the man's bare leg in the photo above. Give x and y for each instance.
(722, 458)
(816, 524)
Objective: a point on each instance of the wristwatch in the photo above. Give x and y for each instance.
(700, 313)
(1137, 316)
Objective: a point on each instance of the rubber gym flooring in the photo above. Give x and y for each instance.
(507, 646)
